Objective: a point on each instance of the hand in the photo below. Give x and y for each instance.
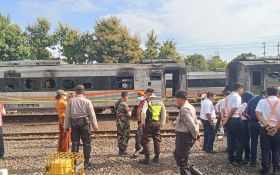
(197, 137)
(224, 121)
(66, 130)
(271, 130)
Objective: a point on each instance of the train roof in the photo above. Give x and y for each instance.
(59, 65)
(251, 61)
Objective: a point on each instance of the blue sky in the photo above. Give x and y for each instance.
(227, 27)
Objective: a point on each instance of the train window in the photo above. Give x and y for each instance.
(256, 78)
(49, 84)
(169, 84)
(149, 83)
(68, 84)
(125, 82)
(11, 85)
(31, 84)
(155, 77)
(87, 85)
(206, 83)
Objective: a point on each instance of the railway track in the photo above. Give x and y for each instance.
(54, 135)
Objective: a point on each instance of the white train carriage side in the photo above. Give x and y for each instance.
(201, 82)
(28, 87)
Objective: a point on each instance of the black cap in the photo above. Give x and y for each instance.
(181, 94)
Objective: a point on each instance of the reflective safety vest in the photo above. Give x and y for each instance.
(154, 110)
(273, 111)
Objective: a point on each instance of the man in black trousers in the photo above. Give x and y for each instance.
(267, 112)
(187, 130)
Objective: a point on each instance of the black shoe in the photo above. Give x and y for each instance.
(123, 154)
(264, 172)
(145, 161)
(156, 159)
(86, 164)
(136, 154)
(253, 164)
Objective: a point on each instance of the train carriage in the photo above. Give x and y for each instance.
(255, 74)
(28, 87)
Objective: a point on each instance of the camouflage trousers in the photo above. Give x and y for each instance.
(138, 138)
(123, 134)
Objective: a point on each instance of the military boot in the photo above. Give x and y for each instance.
(156, 158)
(145, 161)
(86, 164)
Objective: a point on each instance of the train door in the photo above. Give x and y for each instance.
(172, 83)
(168, 85)
(257, 80)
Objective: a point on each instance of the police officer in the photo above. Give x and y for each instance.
(232, 121)
(267, 112)
(187, 129)
(123, 125)
(152, 118)
(81, 117)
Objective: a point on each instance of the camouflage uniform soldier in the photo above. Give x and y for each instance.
(123, 126)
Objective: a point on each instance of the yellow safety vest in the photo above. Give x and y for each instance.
(154, 110)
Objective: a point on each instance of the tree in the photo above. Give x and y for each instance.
(216, 62)
(152, 46)
(40, 39)
(196, 62)
(114, 44)
(168, 50)
(73, 44)
(243, 56)
(13, 42)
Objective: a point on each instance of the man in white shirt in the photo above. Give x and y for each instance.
(232, 121)
(2, 113)
(218, 108)
(207, 116)
(268, 113)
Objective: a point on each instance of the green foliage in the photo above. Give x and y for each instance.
(114, 44)
(216, 62)
(243, 56)
(198, 62)
(13, 42)
(40, 39)
(73, 44)
(152, 46)
(168, 50)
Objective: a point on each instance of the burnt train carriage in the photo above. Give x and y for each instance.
(255, 74)
(201, 82)
(29, 86)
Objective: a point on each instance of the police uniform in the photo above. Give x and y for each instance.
(153, 117)
(187, 129)
(2, 112)
(81, 117)
(270, 109)
(123, 126)
(234, 128)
